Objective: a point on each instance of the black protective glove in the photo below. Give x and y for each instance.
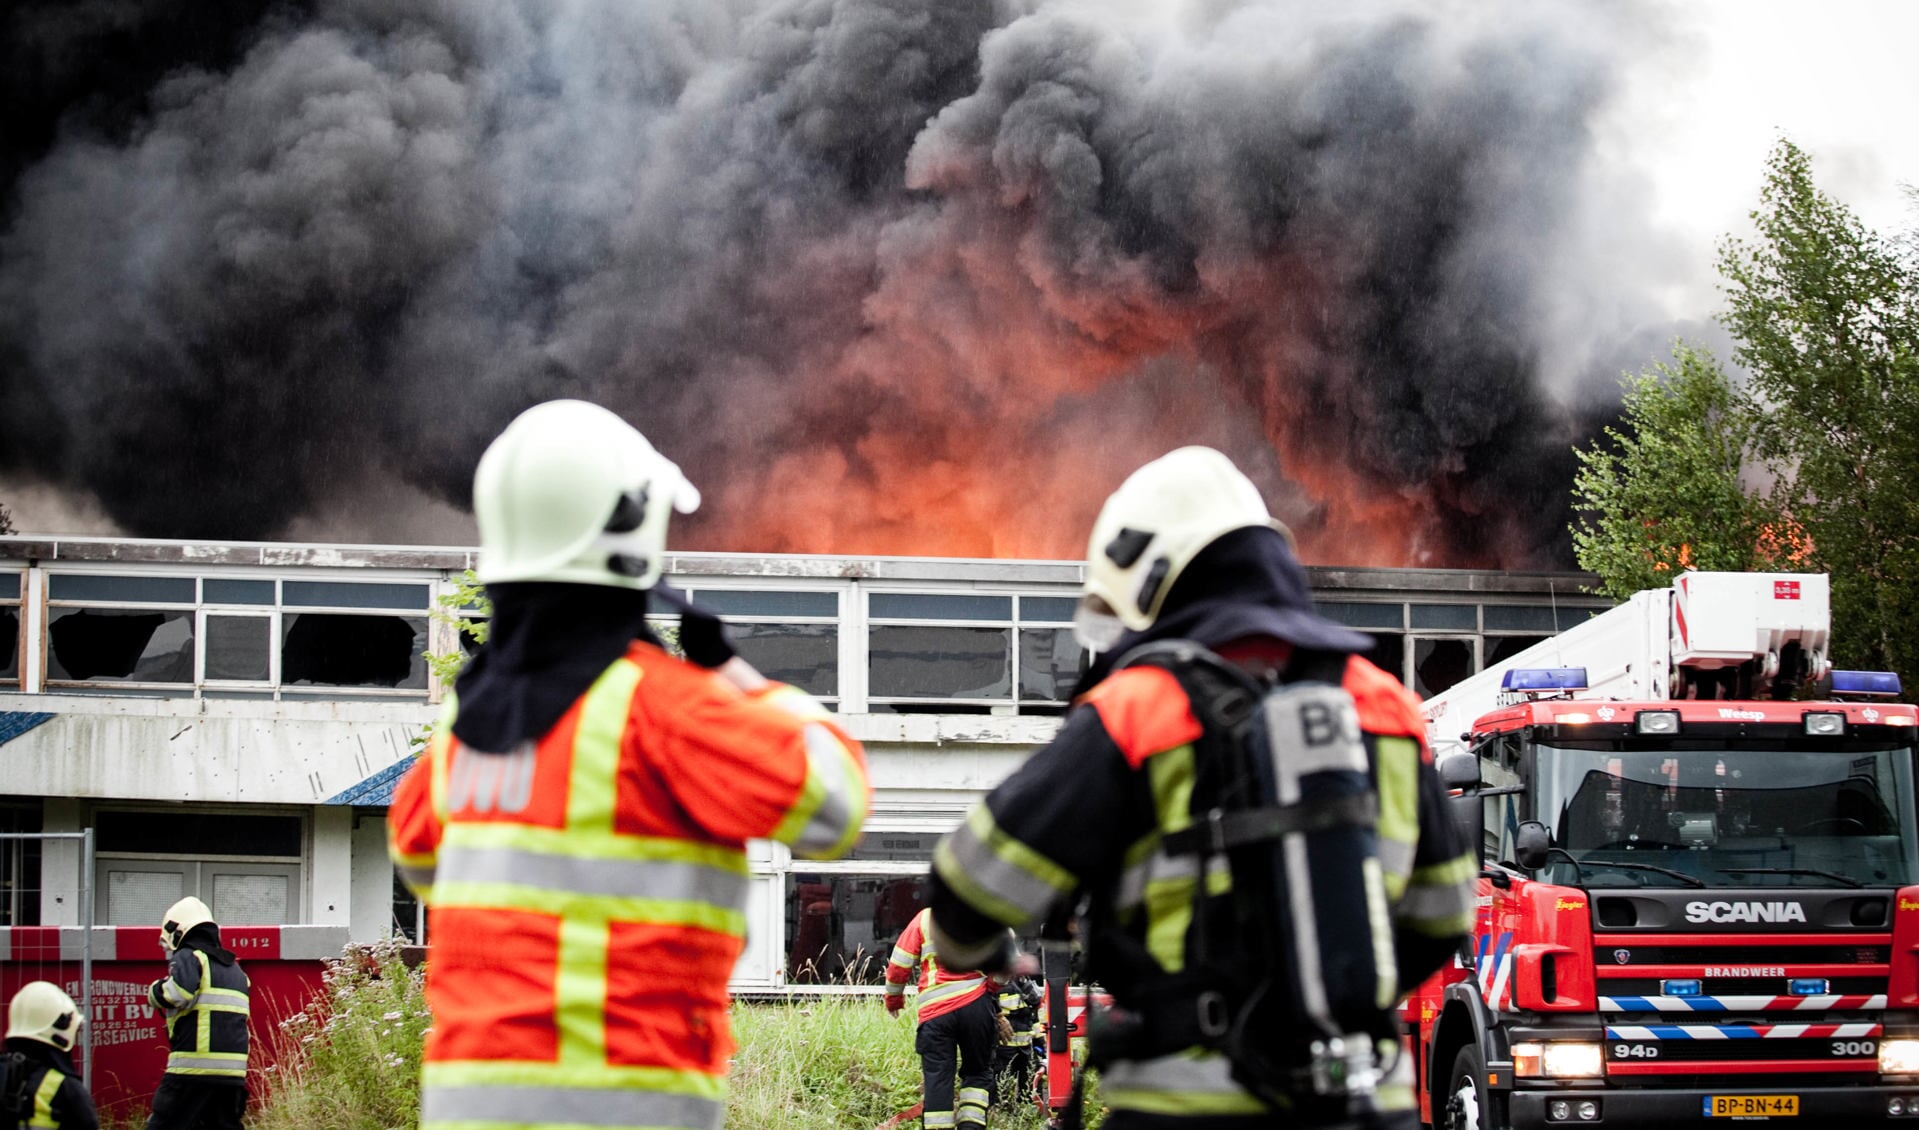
(702, 635)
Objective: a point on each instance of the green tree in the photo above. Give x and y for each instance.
(1663, 492)
(1826, 316)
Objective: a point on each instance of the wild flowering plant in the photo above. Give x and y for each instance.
(351, 1059)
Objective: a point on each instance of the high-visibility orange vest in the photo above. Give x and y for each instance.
(941, 990)
(586, 893)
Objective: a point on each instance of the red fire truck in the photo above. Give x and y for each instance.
(1699, 894)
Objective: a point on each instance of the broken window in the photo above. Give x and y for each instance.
(132, 645)
(1440, 663)
(341, 649)
(9, 644)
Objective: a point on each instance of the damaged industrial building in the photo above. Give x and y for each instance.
(270, 694)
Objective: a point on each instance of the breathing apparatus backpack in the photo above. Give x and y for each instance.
(1290, 973)
(16, 1094)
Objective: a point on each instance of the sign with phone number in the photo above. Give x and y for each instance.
(1752, 1106)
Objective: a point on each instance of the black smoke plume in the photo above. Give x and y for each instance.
(885, 275)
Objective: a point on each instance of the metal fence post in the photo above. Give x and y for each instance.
(86, 955)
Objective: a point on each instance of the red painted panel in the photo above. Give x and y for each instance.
(129, 1035)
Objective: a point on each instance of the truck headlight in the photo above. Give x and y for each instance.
(1899, 1057)
(1564, 1060)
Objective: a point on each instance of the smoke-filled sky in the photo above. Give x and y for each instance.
(885, 276)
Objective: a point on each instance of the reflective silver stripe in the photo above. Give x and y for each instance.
(972, 1096)
(234, 1063)
(1200, 1075)
(573, 1106)
(904, 958)
(173, 994)
(419, 878)
(944, 989)
(936, 1119)
(1446, 900)
(828, 760)
(1000, 878)
(1395, 857)
(629, 878)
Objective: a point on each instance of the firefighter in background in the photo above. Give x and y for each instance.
(958, 1030)
(204, 997)
(577, 825)
(1019, 1001)
(42, 1087)
(1186, 549)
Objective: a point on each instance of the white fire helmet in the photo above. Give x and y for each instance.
(41, 1011)
(181, 917)
(571, 492)
(1151, 528)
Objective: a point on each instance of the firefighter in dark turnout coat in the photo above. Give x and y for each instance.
(43, 1088)
(1186, 550)
(204, 997)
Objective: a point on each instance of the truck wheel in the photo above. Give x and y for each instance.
(1466, 1098)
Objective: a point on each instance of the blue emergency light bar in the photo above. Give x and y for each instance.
(1544, 679)
(1810, 986)
(1879, 684)
(1687, 988)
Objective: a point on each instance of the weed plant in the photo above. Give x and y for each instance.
(351, 1060)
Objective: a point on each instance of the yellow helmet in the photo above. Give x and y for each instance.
(571, 492)
(41, 1011)
(181, 917)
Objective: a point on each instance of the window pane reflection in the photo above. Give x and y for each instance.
(840, 929)
(240, 648)
(805, 655)
(1048, 663)
(909, 662)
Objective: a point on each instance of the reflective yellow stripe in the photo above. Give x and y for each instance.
(437, 754)
(42, 1117)
(1169, 902)
(1397, 765)
(592, 788)
(580, 993)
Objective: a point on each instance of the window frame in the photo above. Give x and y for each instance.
(1018, 620)
(276, 614)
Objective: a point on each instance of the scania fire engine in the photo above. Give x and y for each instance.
(1699, 894)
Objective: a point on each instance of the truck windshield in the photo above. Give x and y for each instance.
(1775, 817)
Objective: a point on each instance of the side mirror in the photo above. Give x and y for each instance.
(1459, 771)
(1531, 845)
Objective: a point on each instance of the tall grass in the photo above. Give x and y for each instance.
(351, 1060)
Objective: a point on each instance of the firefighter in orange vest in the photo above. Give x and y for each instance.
(1186, 550)
(577, 825)
(958, 1029)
